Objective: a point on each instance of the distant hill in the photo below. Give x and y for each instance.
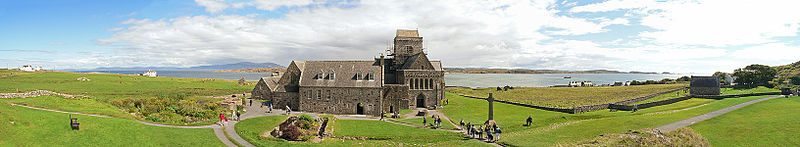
(536, 71)
(256, 70)
(240, 65)
(788, 70)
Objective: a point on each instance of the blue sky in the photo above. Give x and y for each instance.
(693, 36)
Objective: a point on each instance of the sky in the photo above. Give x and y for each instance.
(682, 36)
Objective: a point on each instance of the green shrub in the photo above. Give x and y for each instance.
(306, 117)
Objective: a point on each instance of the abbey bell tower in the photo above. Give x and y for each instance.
(407, 43)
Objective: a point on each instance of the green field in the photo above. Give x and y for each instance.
(108, 86)
(767, 123)
(168, 100)
(42, 128)
(737, 91)
(550, 128)
(566, 97)
(393, 134)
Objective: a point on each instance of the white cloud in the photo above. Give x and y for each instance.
(517, 34)
(272, 4)
(212, 6)
(716, 23)
(771, 51)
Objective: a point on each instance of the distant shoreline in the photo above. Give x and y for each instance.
(472, 71)
(531, 71)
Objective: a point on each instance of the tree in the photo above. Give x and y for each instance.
(755, 75)
(684, 78)
(795, 80)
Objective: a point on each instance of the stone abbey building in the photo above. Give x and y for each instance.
(404, 79)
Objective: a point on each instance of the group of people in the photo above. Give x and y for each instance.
(437, 121)
(445, 102)
(492, 131)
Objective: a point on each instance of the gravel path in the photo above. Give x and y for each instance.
(690, 121)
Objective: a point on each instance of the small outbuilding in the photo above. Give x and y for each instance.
(704, 85)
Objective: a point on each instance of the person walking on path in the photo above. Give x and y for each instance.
(497, 131)
(221, 118)
(469, 126)
(529, 121)
(635, 107)
(251, 102)
(238, 116)
(438, 122)
(381, 116)
(424, 121)
(226, 120)
(461, 123)
(479, 131)
(489, 136)
(270, 107)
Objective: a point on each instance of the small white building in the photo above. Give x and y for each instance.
(31, 68)
(150, 73)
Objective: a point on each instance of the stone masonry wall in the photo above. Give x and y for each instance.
(340, 100)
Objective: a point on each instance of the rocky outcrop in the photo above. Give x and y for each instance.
(37, 93)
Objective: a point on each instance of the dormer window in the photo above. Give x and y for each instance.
(318, 76)
(330, 76)
(370, 76)
(358, 76)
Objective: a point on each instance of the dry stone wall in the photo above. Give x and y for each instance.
(36, 93)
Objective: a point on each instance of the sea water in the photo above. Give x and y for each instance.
(467, 80)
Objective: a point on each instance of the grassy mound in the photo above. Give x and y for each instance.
(566, 97)
(647, 137)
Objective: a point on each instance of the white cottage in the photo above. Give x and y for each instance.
(150, 73)
(31, 68)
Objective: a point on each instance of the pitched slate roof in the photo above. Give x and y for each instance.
(437, 65)
(344, 73)
(300, 65)
(272, 82)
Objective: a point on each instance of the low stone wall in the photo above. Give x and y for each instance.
(675, 100)
(730, 96)
(35, 94)
(639, 99)
(526, 105)
(580, 109)
(648, 105)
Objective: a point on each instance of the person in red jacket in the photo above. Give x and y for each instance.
(221, 118)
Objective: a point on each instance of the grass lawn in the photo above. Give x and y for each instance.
(42, 128)
(418, 121)
(736, 91)
(250, 129)
(767, 123)
(104, 88)
(566, 97)
(550, 128)
(88, 105)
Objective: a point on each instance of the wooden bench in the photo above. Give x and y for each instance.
(74, 123)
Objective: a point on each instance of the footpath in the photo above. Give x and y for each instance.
(692, 120)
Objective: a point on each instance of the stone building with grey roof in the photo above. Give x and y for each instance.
(404, 79)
